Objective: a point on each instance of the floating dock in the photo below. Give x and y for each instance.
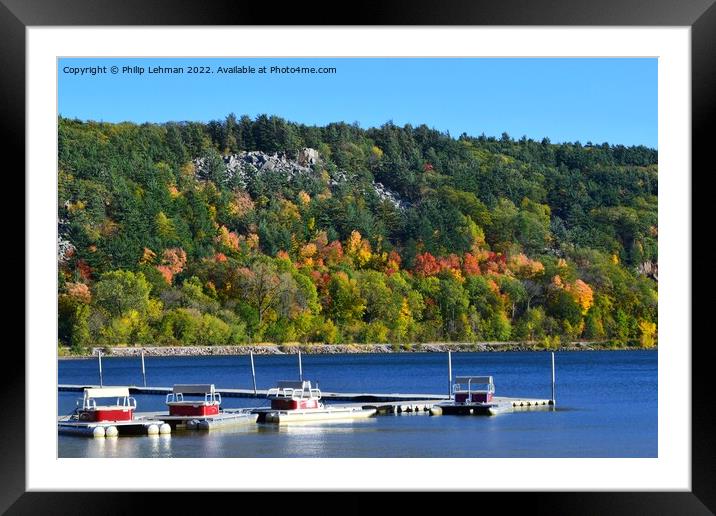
(224, 419)
(502, 403)
(113, 428)
(281, 417)
(383, 403)
(498, 405)
(262, 393)
(228, 420)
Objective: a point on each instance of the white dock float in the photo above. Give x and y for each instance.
(113, 428)
(225, 420)
(498, 405)
(282, 417)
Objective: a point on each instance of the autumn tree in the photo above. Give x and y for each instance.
(264, 287)
(119, 291)
(346, 304)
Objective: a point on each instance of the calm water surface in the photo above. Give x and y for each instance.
(606, 406)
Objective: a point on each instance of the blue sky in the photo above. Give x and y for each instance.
(597, 100)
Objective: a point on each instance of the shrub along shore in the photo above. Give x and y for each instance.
(318, 348)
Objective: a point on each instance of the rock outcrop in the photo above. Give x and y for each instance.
(649, 269)
(243, 167)
(307, 157)
(65, 248)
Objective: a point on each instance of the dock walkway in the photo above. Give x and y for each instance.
(261, 393)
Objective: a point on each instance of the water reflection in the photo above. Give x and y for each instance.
(160, 445)
(334, 426)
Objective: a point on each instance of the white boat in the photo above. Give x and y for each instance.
(319, 414)
(208, 406)
(121, 410)
(473, 389)
(106, 419)
(290, 395)
(474, 395)
(299, 401)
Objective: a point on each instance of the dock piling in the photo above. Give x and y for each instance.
(99, 362)
(553, 382)
(144, 371)
(300, 366)
(253, 371)
(449, 374)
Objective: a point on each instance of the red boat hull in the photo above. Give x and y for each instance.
(477, 397)
(107, 415)
(289, 404)
(193, 410)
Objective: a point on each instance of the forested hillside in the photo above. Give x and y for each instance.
(244, 230)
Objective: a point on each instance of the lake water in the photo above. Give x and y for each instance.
(606, 406)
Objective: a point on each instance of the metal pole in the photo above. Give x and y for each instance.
(300, 366)
(99, 361)
(449, 375)
(144, 371)
(253, 371)
(553, 382)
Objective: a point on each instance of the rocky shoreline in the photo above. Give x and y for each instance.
(282, 349)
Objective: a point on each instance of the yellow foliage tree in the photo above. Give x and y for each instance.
(308, 251)
(227, 238)
(647, 334)
(354, 242)
(403, 321)
(304, 198)
(241, 204)
(165, 226)
(582, 294)
(148, 256)
(364, 254)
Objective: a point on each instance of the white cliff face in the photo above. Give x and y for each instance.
(649, 269)
(242, 167)
(65, 248)
(308, 156)
(388, 195)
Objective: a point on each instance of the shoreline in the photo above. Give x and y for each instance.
(334, 349)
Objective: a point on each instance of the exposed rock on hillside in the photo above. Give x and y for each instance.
(388, 195)
(649, 269)
(65, 248)
(241, 168)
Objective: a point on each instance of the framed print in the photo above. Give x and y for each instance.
(422, 252)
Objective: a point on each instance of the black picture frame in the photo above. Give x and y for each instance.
(700, 15)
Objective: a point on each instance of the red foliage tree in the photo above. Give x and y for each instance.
(470, 265)
(84, 269)
(426, 265)
(393, 264)
(173, 262)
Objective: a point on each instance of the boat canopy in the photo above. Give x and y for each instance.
(106, 392)
(211, 397)
(207, 388)
(471, 384)
(474, 380)
(288, 384)
(91, 394)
